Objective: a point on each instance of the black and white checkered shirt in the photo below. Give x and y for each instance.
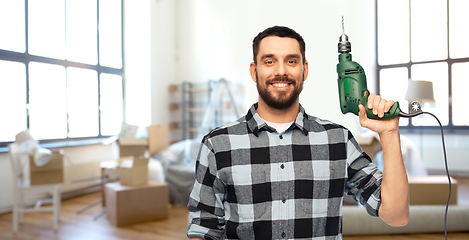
(255, 183)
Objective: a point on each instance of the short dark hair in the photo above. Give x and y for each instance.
(278, 31)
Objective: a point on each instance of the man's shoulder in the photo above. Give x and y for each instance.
(238, 127)
(320, 124)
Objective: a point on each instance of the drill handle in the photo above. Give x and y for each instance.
(392, 113)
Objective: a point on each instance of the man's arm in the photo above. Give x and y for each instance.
(205, 206)
(394, 208)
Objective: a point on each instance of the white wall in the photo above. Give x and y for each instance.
(163, 28)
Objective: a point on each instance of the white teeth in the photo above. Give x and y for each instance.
(280, 85)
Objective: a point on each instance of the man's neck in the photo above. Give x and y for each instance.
(278, 115)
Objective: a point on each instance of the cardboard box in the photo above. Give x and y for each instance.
(156, 141)
(157, 138)
(371, 146)
(432, 190)
(52, 172)
(133, 171)
(132, 146)
(136, 204)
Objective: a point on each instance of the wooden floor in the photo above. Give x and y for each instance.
(75, 226)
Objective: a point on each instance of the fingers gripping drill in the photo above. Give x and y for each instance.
(353, 88)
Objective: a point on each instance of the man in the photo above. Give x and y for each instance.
(278, 173)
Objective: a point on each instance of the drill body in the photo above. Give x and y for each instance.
(352, 84)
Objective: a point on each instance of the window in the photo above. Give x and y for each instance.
(61, 69)
(425, 40)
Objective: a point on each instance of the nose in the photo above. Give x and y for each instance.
(280, 69)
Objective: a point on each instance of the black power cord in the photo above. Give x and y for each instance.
(415, 111)
(447, 171)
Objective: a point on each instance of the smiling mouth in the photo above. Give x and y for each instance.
(280, 84)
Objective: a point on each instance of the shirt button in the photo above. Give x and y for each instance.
(282, 166)
(281, 137)
(283, 234)
(284, 200)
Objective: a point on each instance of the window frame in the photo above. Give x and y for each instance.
(26, 58)
(410, 128)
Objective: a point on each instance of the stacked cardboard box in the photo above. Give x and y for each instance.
(52, 172)
(157, 140)
(132, 146)
(133, 171)
(136, 204)
(432, 190)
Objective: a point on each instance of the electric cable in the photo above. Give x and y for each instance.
(446, 161)
(447, 172)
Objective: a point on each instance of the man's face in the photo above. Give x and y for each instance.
(279, 73)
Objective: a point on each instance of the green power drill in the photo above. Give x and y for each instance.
(352, 85)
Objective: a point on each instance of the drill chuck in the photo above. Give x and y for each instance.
(344, 45)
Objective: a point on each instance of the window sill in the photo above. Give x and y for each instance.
(70, 143)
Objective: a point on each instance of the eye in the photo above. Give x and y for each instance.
(269, 62)
(291, 61)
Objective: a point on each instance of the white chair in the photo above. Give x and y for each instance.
(21, 187)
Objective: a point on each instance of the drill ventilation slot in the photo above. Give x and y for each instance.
(354, 71)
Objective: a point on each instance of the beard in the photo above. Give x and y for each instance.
(280, 100)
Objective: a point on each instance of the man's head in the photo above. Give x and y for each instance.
(279, 68)
(278, 31)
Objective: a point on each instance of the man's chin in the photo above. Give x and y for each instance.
(279, 104)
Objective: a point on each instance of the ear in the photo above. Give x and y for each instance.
(305, 70)
(253, 71)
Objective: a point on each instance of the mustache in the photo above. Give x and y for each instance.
(284, 79)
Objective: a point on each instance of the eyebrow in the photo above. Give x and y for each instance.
(294, 56)
(269, 55)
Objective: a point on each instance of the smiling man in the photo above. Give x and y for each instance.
(279, 173)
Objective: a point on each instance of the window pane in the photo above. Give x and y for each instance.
(458, 32)
(12, 25)
(428, 30)
(12, 99)
(82, 102)
(82, 36)
(47, 28)
(110, 40)
(438, 74)
(47, 101)
(111, 104)
(393, 86)
(459, 87)
(393, 32)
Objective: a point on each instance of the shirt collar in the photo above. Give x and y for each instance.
(255, 122)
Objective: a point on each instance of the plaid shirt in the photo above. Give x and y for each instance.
(254, 183)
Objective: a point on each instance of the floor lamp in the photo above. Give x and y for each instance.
(421, 92)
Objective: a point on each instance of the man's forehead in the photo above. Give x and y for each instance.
(279, 45)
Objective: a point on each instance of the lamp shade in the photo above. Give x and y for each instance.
(419, 91)
(42, 156)
(23, 136)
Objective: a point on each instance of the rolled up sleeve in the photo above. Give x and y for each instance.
(206, 211)
(364, 178)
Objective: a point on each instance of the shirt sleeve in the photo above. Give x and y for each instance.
(364, 178)
(206, 211)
